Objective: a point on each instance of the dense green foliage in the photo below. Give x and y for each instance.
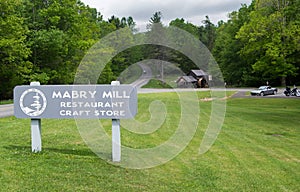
(46, 40)
(256, 150)
(14, 52)
(261, 43)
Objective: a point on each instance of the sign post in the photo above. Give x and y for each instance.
(116, 135)
(36, 130)
(113, 101)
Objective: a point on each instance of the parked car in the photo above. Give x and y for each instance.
(264, 90)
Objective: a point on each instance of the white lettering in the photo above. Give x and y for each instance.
(107, 95)
(87, 104)
(100, 104)
(66, 95)
(74, 113)
(82, 94)
(68, 113)
(92, 104)
(62, 104)
(73, 94)
(109, 113)
(115, 94)
(92, 94)
(56, 95)
(117, 104)
(107, 104)
(62, 112)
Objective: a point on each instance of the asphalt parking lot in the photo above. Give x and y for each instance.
(245, 94)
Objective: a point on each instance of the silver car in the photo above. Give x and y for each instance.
(264, 90)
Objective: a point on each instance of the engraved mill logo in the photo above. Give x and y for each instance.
(33, 102)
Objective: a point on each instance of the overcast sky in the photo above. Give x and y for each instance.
(193, 11)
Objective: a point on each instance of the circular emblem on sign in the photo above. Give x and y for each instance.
(33, 102)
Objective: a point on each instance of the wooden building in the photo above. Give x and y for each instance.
(186, 82)
(195, 78)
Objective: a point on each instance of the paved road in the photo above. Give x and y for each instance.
(144, 78)
(6, 110)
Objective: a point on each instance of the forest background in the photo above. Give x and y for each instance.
(46, 40)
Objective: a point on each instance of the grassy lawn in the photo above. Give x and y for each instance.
(4, 102)
(154, 83)
(256, 150)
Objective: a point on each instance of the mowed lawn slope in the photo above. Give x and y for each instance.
(256, 150)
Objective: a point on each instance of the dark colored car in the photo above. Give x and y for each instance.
(264, 90)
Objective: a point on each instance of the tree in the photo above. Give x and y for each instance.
(126, 28)
(131, 24)
(187, 26)
(183, 61)
(60, 34)
(271, 38)
(124, 22)
(207, 33)
(13, 49)
(156, 19)
(236, 69)
(155, 36)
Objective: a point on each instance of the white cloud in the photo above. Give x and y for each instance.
(193, 11)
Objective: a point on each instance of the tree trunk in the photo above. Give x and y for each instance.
(283, 81)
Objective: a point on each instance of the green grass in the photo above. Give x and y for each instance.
(155, 83)
(257, 150)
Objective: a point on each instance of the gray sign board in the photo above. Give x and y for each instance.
(75, 101)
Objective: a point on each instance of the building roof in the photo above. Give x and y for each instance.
(188, 79)
(198, 73)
